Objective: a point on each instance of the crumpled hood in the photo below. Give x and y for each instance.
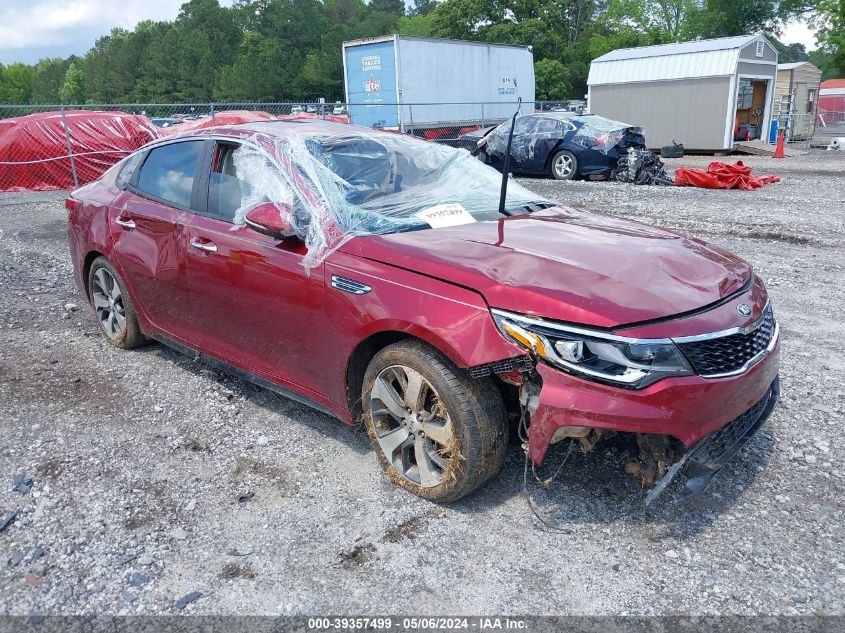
(568, 265)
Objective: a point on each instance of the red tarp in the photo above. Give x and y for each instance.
(34, 151)
(337, 118)
(722, 176)
(227, 117)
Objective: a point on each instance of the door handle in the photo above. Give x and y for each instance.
(209, 247)
(126, 224)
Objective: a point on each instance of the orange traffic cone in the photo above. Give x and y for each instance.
(779, 149)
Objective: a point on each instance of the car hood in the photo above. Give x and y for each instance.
(569, 265)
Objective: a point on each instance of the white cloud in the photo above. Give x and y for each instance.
(29, 29)
(799, 33)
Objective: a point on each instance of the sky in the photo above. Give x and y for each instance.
(33, 29)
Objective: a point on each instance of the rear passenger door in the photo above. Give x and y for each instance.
(147, 223)
(252, 304)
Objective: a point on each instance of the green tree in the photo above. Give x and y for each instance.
(423, 7)
(552, 80)
(723, 18)
(259, 72)
(419, 24)
(395, 7)
(73, 86)
(16, 83)
(831, 37)
(789, 53)
(48, 77)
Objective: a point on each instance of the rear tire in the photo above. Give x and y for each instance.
(437, 432)
(112, 306)
(564, 165)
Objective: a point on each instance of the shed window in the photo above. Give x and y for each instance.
(811, 100)
(760, 48)
(745, 96)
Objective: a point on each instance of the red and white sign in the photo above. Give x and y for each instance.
(372, 85)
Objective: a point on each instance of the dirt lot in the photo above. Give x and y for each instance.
(138, 460)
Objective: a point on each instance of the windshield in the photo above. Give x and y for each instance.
(400, 177)
(347, 181)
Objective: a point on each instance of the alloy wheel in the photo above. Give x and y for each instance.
(108, 303)
(564, 166)
(412, 425)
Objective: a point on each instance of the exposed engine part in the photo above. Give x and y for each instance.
(587, 436)
(656, 455)
(641, 167)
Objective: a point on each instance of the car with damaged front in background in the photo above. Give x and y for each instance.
(563, 145)
(377, 278)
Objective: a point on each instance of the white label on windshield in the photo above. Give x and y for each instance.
(441, 215)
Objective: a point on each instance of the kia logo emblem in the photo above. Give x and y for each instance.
(744, 309)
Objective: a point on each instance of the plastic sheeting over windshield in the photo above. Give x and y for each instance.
(341, 181)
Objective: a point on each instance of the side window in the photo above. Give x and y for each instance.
(168, 173)
(242, 177)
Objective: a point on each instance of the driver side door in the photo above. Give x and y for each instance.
(253, 304)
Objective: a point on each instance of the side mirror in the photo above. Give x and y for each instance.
(271, 218)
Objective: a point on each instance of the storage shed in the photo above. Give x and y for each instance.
(705, 94)
(797, 99)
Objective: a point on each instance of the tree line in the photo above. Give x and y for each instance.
(290, 50)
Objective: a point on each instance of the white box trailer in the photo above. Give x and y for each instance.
(403, 82)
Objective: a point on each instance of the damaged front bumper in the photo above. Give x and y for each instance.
(707, 457)
(711, 418)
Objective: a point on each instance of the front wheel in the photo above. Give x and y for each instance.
(564, 165)
(438, 433)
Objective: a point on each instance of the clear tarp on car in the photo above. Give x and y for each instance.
(601, 134)
(527, 131)
(338, 182)
(591, 132)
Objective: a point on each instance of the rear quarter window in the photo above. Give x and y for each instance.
(127, 169)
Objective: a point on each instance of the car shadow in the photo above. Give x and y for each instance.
(353, 436)
(586, 489)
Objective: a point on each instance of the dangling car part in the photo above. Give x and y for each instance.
(375, 277)
(640, 166)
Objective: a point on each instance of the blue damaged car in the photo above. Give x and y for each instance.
(563, 145)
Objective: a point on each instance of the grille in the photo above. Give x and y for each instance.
(522, 363)
(723, 442)
(729, 354)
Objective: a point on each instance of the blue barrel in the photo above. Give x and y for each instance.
(773, 132)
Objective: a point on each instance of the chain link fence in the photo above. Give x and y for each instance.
(830, 126)
(67, 146)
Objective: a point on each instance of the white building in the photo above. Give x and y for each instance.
(704, 94)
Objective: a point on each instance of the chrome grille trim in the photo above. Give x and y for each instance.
(734, 353)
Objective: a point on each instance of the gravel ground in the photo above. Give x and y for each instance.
(153, 477)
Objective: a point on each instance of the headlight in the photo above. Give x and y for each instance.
(616, 360)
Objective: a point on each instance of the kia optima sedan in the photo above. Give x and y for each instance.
(376, 277)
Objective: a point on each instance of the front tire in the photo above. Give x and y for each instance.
(564, 165)
(437, 432)
(112, 306)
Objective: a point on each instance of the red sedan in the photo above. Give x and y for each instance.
(372, 276)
